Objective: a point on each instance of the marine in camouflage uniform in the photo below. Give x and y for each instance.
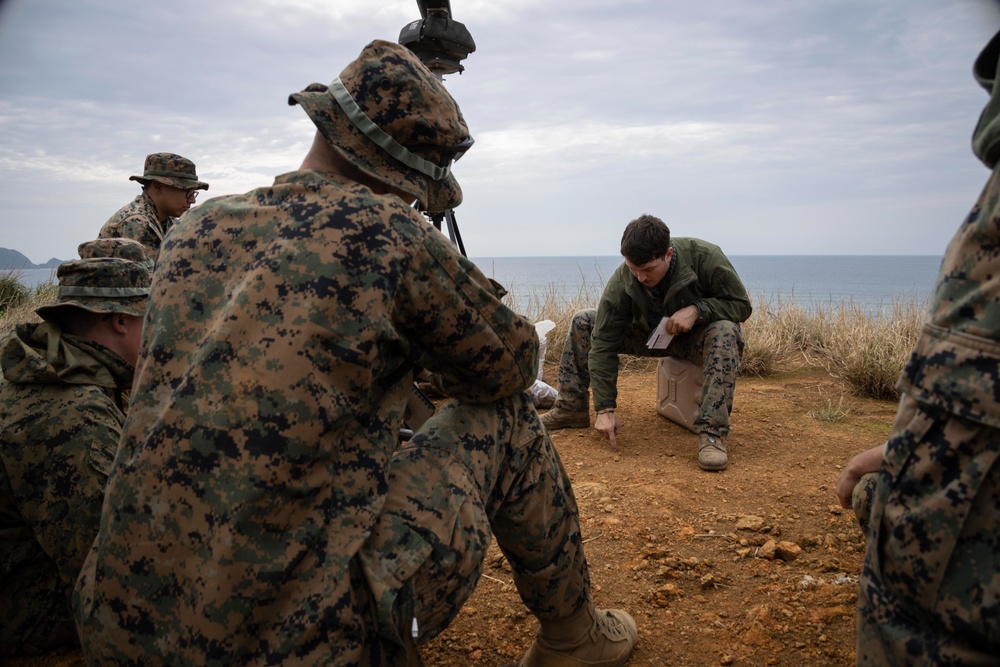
(259, 511)
(698, 276)
(62, 405)
(153, 212)
(930, 587)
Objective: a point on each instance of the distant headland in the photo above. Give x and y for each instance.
(12, 260)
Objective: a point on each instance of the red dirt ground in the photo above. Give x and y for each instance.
(756, 565)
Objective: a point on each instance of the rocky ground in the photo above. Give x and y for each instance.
(757, 565)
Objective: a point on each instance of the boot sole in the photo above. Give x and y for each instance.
(713, 467)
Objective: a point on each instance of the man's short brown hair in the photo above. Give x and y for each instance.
(646, 238)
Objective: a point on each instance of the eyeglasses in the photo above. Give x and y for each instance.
(191, 194)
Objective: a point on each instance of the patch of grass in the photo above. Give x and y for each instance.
(831, 413)
(768, 340)
(21, 308)
(868, 351)
(12, 292)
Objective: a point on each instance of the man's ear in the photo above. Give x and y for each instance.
(119, 323)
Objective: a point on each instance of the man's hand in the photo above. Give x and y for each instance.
(682, 320)
(867, 461)
(607, 424)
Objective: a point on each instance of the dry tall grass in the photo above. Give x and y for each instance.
(865, 350)
(18, 303)
(868, 352)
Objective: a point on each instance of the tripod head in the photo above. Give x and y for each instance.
(440, 42)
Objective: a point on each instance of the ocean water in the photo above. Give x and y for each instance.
(32, 277)
(872, 282)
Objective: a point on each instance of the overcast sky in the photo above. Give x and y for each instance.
(766, 126)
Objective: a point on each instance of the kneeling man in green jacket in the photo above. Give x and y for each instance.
(683, 288)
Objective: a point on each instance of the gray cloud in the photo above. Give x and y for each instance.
(768, 127)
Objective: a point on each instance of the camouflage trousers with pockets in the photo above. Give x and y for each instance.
(716, 346)
(930, 586)
(470, 472)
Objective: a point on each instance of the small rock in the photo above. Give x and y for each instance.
(749, 522)
(810, 542)
(768, 550)
(661, 596)
(788, 551)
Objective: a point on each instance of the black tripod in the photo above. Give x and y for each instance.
(453, 233)
(441, 43)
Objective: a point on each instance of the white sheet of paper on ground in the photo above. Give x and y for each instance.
(660, 339)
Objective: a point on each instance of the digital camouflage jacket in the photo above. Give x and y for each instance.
(62, 406)
(281, 341)
(699, 273)
(956, 362)
(138, 220)
(929, 591)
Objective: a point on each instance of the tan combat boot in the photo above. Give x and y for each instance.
(712, 453)
(558, 418)
(588, 638)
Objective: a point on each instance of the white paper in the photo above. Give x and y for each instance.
(660, 339)
(542, 329)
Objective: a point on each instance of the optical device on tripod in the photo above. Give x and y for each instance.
(441, 43)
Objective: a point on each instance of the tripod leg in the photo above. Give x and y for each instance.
(456, 236)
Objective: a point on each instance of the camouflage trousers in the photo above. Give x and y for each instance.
(470, 472)
(717, 347)
(930, 586)
(862, 499)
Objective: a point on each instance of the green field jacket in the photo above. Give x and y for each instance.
(700, 273)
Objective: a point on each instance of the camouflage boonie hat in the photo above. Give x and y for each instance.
(390, 117)
(116, 247)
(172, 170)
(112, 283)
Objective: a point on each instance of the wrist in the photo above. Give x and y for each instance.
(700, 312)
(606, 411)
